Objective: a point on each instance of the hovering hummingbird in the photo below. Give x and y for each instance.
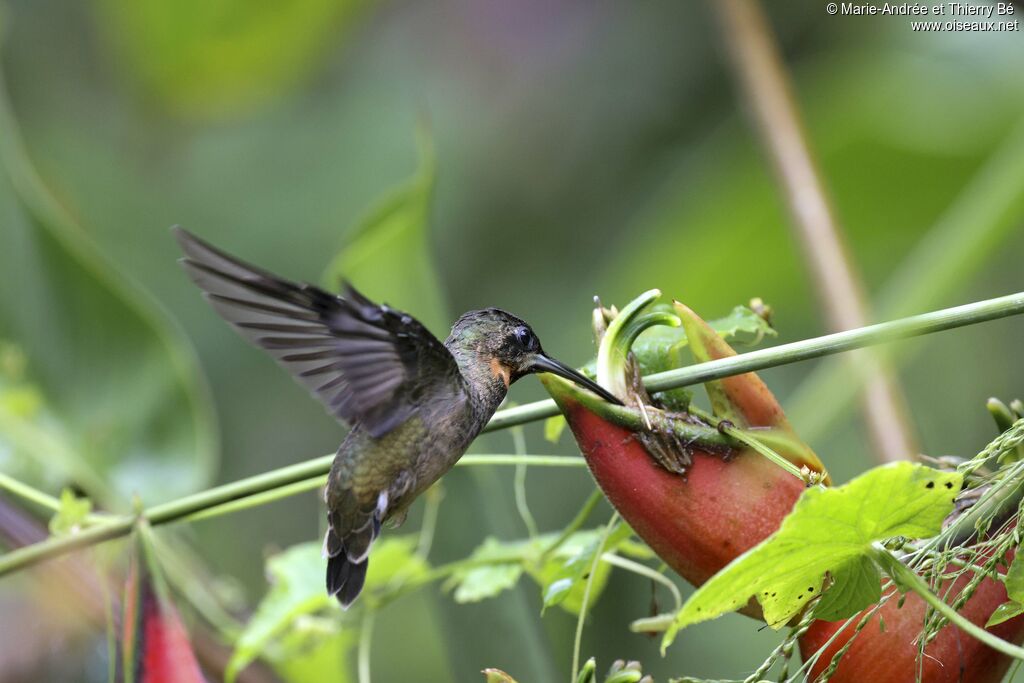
(414, 404)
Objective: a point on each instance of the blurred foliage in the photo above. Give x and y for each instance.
(72, 513)
(118, 404)
(396, 232)
(214, 58)
(582, 148)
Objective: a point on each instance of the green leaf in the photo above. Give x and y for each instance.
(296, 576)
(497, 676)
(498, 565)
(1015, 580)
(121, 407)
(553, 428)
(482, 582)
(588, 671)
(283, 629)
(393, 240)
(73, 512)
(314, 650)
(855, 585)
(660, 347)
(828, 531)
(394, 561)
(563, 580)
(662, 344)
(1005, 612)
(212, 59)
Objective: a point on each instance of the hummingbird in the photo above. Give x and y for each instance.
(413, 403)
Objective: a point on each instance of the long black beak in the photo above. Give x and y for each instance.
(542, 363)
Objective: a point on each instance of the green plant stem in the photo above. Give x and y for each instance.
(907, 578)
(750, 441)
(519, 484)
(365, 640)
(575, 525)
(308, 471)
(29, 493)
(586, 595)
(817, 347)
(238, 495)
(645, 571)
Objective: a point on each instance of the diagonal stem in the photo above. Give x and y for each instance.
(768, 90)
(311, 470)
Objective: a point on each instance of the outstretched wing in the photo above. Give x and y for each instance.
(367, 363)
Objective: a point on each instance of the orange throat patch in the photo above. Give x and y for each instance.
(501, 371)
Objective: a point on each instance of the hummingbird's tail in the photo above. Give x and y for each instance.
(345, 578)
(348, 555)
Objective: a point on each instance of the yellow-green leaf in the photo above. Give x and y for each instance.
(828, 531)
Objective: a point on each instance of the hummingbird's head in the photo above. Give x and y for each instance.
(509, 349)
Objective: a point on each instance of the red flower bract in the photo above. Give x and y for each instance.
(891, 656)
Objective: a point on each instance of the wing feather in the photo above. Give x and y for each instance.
(360, 359)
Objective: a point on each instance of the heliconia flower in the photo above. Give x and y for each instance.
(695, 495)
(890, 654)
(155, 644)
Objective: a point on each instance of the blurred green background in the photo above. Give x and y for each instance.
(580, 148)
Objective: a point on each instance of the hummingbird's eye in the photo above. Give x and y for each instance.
(524, 338)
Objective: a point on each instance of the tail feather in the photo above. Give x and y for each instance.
(348, 551)
(345, 578)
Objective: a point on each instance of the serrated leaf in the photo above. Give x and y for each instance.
(481, 582)
(72, 513)
(854, 586)
(827, 530)
(563, 581)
